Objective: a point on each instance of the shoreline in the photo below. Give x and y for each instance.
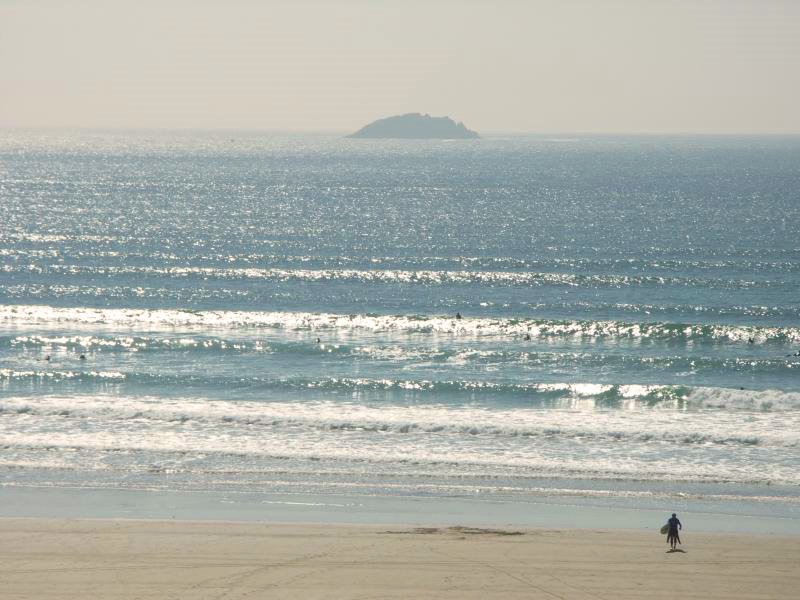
(410, 528)
(204, 560)
(363, 510)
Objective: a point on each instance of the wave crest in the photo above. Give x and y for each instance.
(410, 324)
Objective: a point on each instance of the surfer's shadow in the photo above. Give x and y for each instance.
(671, 550)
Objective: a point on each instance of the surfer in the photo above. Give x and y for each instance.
(527, 337)
(458, 315)
(673, 526)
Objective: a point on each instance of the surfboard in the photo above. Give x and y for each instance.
(665, 529)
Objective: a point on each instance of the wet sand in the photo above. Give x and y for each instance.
(43, 558)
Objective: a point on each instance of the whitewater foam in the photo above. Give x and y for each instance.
(556, 443)
(472, 326)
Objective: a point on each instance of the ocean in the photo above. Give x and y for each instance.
(597, 321)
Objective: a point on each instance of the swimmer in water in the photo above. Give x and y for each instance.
(527, 337)
(458, 315)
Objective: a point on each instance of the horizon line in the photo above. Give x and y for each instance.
(343, 132)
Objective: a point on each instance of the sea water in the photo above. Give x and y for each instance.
(592, 321)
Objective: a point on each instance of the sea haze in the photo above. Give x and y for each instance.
(265, 314)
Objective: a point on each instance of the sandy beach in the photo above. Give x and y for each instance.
(42, 558)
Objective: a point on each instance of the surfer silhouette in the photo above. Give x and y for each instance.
(673, 526)
(458, 315)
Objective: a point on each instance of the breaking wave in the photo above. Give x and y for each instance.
(558, 395)
(639, 426)
(410, 324)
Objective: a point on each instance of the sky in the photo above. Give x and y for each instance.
(514, 66)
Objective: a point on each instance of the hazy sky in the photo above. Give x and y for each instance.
(500, 66)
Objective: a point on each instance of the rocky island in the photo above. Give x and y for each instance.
(415, 126)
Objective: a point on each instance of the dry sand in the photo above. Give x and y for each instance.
(63, 559)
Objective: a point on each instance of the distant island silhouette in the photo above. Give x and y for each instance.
(415, 126)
